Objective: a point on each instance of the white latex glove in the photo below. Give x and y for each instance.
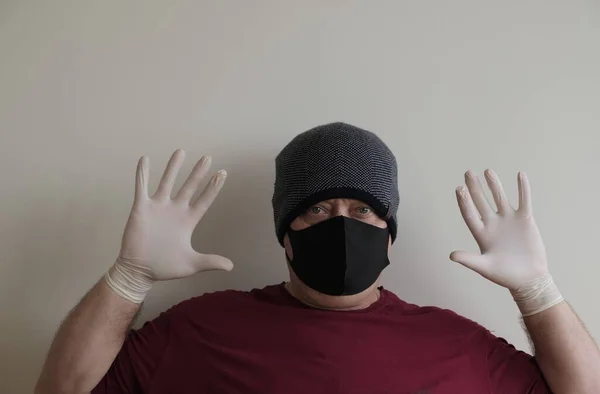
(156, 242)
(512, 253)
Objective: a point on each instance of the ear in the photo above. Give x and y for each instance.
(288, 247)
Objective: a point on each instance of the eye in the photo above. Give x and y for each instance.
(315, 210)
(364, 210)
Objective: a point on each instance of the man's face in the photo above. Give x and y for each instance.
(324, 210)
(328, 209)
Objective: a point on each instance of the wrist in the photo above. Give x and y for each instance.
(536, 295)
(129, 280)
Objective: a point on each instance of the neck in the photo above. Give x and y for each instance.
(334, 303)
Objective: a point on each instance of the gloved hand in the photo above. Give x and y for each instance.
(156, 242)
(512, 253)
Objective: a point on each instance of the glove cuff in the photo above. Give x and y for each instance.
(537, 295)
(130, 281)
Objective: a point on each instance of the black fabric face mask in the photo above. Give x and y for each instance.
(339, 256)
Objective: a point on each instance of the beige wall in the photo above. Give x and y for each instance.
(88, 87)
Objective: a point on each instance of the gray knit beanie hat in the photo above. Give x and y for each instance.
(336, 160)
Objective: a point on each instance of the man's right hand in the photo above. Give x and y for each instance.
(156, 242)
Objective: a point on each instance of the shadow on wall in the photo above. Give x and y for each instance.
(60, 251)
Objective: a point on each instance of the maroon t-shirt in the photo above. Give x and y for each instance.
(267, 342)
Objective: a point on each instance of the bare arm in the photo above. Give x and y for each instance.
(513, 255)
(87, 342)
(565, 351)
(156, 246)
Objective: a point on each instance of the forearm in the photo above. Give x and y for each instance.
(87, 342)
(565, 351)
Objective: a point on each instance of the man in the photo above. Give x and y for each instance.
(331, 328)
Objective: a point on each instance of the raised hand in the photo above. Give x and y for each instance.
(156, 242)
(512, 252)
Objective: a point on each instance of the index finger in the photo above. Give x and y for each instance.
(141, 179)
(208, 195)
(468, 210)
(524, 194)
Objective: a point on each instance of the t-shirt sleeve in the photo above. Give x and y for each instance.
(131, 372)
(510, 370)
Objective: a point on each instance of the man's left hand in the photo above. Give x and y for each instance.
(512, 251)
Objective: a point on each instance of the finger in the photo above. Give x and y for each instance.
(194, 179)
(210, 262)
(497, 190)
(468, 210)
(168, 179)
(141, 179)
(525, 206)
(477, 194)
(473, 261)
(208, 195)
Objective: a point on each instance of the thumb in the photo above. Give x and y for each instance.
(473, 261)
(209, 262)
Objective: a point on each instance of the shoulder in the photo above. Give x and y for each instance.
(434, 318)
(442, 322)
(226, 301)
(215, 299)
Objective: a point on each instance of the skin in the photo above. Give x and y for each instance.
(328, 209)
(511, 253)
(91, 336)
